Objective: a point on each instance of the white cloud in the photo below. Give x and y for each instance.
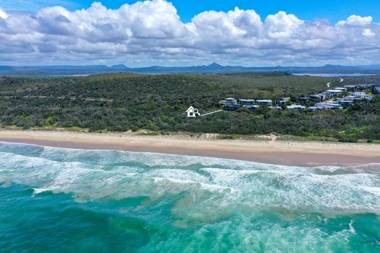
(151, 32)
(3, 14)
(218, 30)
(282, 25)
(355, 20)
(368, 33)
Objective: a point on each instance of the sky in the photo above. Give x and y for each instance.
(333, 10)
(184, 32)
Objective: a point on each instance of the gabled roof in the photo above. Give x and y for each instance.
(190, 109)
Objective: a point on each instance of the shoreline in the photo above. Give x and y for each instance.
(270, 152)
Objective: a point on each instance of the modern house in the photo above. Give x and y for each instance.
(264, 102)
(253, 108)
(318, 97)
(361, 96)
(328, 106)
(192, 112)
(228, 101)
(296, 107)
(331, 99)
(231, 104)
(346, 101)
(350, 87)
(312, 108)
(341, 89)
(304, 99)
(283, 101)
(326, 95)
(334, 92)
(247, 102)
(365, 86)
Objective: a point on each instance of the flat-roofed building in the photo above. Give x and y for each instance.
(264, 102)
(247, 102)
(296, 107)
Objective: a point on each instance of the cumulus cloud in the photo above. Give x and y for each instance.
(368, 33)
(355, 20)
(282, 25)
(151, 32)
(3, 14)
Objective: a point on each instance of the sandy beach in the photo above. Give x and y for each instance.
(274, 152)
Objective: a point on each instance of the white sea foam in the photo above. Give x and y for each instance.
(209, 187)
(351, 227)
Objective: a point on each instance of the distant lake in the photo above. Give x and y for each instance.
(331, 75)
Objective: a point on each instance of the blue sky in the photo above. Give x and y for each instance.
(136, 33)
(332, 10)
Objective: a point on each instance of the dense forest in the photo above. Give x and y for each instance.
(122, 102)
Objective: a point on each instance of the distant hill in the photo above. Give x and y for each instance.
(212, 68)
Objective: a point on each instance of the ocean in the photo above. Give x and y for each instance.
(68, 200)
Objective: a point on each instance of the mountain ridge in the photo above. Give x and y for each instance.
(52, 70)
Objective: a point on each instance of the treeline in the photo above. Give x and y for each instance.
(122, 102)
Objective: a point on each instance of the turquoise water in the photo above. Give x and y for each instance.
(64, 200)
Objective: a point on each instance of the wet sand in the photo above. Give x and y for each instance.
(273, 152)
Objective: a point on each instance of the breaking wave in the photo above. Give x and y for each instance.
(198, 204)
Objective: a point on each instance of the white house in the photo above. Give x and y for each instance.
(192, 112)
(264, 102)
(295, 107)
